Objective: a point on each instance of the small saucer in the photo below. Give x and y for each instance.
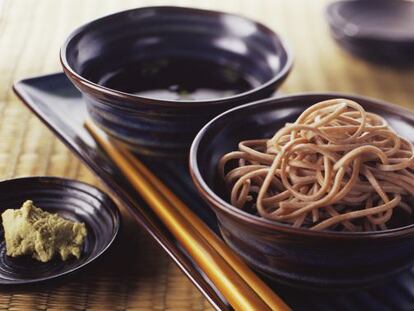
(72, 200)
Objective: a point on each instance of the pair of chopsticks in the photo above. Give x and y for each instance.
(233, 278)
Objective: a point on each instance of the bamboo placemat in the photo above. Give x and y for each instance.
(31, 32)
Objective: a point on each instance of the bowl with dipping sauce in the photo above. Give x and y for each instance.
(153, 76)
(317, 259)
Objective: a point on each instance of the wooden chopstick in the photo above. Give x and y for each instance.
(251, 278)
(233, 288)
(238, 284)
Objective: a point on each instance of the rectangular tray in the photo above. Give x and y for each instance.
(60, 106)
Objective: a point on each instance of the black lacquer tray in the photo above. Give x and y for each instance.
(59, 105)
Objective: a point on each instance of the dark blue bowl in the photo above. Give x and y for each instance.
(380, 31)
(167, 127)
(297, 256)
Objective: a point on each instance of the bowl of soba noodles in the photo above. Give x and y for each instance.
(312, 190)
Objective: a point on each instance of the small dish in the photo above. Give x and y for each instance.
(380, 31)
(296, 256)
(74, 201)
(116, 60)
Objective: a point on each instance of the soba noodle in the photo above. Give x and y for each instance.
(337, 167)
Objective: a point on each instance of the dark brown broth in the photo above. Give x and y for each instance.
(179, 79)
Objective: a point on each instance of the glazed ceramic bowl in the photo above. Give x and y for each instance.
(167, 127)
(296, 256)
(70, 199)
(380, 31)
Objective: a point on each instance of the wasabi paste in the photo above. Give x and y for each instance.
(34, 232)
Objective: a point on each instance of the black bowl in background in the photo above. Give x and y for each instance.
(381, 31)
(72, 200)
(297, 256)
(167, 127)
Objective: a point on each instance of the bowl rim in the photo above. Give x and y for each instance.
(77, 186)
(282, 73)
(222, 206)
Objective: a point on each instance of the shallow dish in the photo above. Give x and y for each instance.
(290, 255)
(71, 199)
(108, 58)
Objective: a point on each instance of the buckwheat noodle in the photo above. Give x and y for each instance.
(338, 167)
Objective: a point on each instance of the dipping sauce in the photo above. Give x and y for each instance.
(179, 79)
